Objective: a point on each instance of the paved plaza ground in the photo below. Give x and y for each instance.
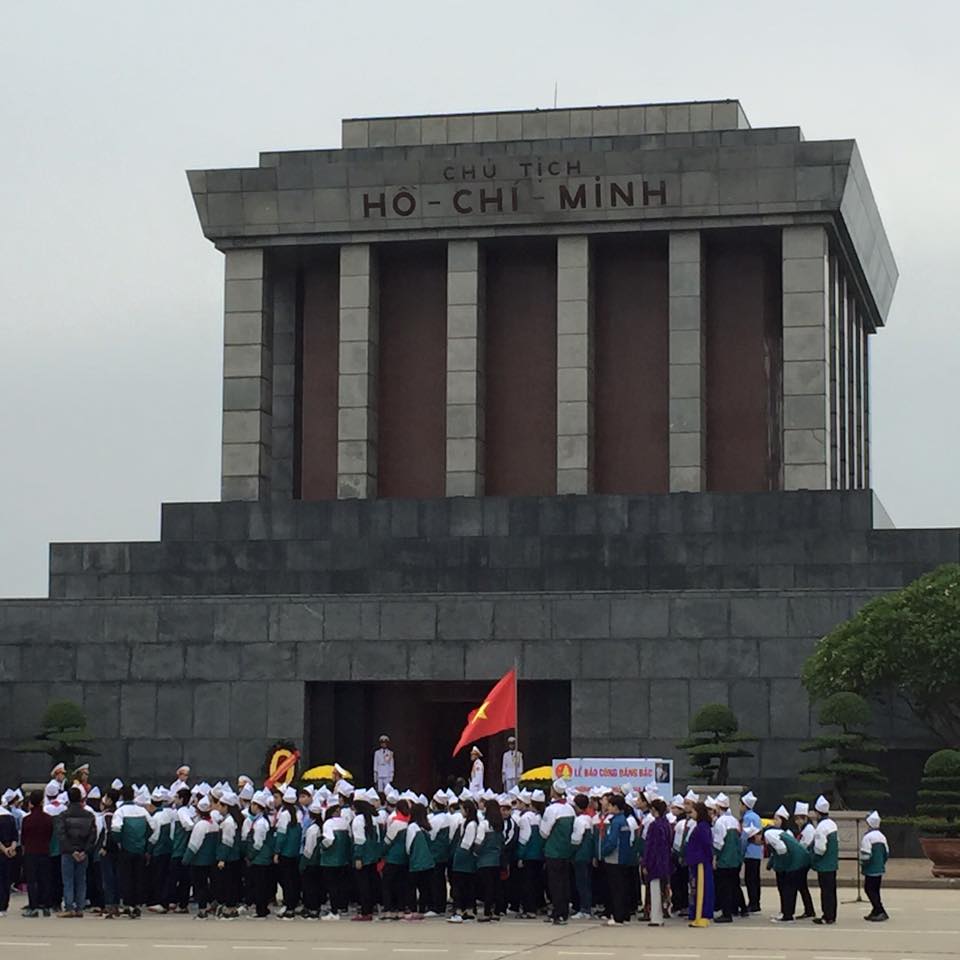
(924, 925)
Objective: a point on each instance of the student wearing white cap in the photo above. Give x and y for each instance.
(384, 764)
(286, 856)
(311, 878)
(464, 863)
(804, 833)
(511, 766)
(229, 854)
(160, 848)
(201, 855)
(556, 828)
(752, 852)
(680, 878)
(530, 856)
(788, 859)
(476, 771)
(181, 825)
(439, 837)
(335, 856)
(259, 838)
(874, 853)
(826, 861)
(9, 845)
(729, 854)
(131, 827)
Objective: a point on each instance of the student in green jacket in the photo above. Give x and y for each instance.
(464, 864)
(260, 854)
(286, 854)
(826, 860)
(366, 852)
(395, 861)
(229, 856)
(130, 828)
(874, 853)
(489, 847)
(556, 828)
(311, 876)
(420, 863)
(789, 859)
(335, 850)
(201, 855)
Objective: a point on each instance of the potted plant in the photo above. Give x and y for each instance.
(938, 812)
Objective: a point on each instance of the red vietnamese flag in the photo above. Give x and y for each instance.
(497, 712)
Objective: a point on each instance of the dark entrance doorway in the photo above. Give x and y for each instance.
(424, 721)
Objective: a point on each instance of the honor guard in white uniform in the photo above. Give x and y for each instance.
(383, 764)
(476, 771)
(512, 765)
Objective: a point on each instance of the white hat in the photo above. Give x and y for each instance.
(626, 788)
(392, 795)
(722, 801)
(341, 770)
(316, 805)
(441, 797)
(344, 788)
(203, 788)
(117, 784)
(560, 786)
(515, 790)
(748, 800)
(710, 803)
(183, 769)
(465, 794)
(475, 750)
(261, 798)
(229, 799)
(782, 812)
(692, 797)
(83, 768)
(94, 793)
(409, 796)
(159, 795)
(538, 797)
(8, 795)
(801, 809)
(59, 768)
(822, 804)
(488, 794)
(289, 795)
(247, 792)
(203, 804)
(505, 800)
(873, 820)
(511, 739)
(243, 780)
(372, 796)
(749, 832)
(677, 801)
(52, 789)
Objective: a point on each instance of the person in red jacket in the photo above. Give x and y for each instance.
(35, 834)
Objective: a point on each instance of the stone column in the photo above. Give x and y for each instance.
(358, 366)
(806, 363)
(574, 366)
(247, 373)
(687, 363)
(282, 482)
(465, 369)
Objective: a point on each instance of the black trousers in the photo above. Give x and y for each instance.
(680, 889)
(131, 876)
(828, 894)
(489, 878)
(263, 886)
(531, 884)
(803, 888)
(788, 884)
(367, 888)
(464, 892)
(158, 872)
(558, 887)
(36, 866)
(311, 884)
(419, 891)
(394, 887)
(226, 884)
(871, 887)
(751, 878)
(200, 878)
(288, 874)
(336, 881)
(178, 885)
(619, 881)
(56, 882)
(727, 885)
(438, 888)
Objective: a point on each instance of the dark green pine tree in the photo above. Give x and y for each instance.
(713, 742)
(938, 801)
(843, 770)
(63, 735)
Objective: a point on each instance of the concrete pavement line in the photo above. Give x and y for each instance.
(343, 949)
(258, 946)
(833, 956)
(421, 949)
(21, 943)
(179, 946)
(756, 956)
(115, 946)
(585, 953)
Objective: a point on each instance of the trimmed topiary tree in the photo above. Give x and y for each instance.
(63, 735)
(938, 801)
(715, 740)
(906, 642)
(852, 781)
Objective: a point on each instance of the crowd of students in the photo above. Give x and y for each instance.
(610, 853)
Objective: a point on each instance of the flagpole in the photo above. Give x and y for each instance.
(516, 700)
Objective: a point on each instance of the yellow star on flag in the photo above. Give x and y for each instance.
(481, 713)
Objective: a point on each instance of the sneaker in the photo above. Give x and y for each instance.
(723, 920)
(65, 915)
(330, 916)
(781, 920)
(3, 913)
(559, 922)
(655, 923)
(46, 912)
(30, 913)
(456, 918)
(614, 923)
(878, 918)
(157, 908)
(430, 914)
(135, 913)
(202, 915)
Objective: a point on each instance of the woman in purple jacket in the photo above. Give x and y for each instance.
(699, 858)
(656, 859)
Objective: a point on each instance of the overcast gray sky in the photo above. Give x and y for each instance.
(110, 298)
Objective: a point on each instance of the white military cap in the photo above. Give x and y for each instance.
(340, 769)
(247, 792)
(475, 750)
(748, 800)
(873, 820)
(289, 795)
(822, 804)
(692, 797)
(560, 785)
(117, 784)
(185, 770)
(537, 796)
(801, 809)
(94, 793)
(59, 768)
(722, 801)
(782, 812)
(83, 768)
